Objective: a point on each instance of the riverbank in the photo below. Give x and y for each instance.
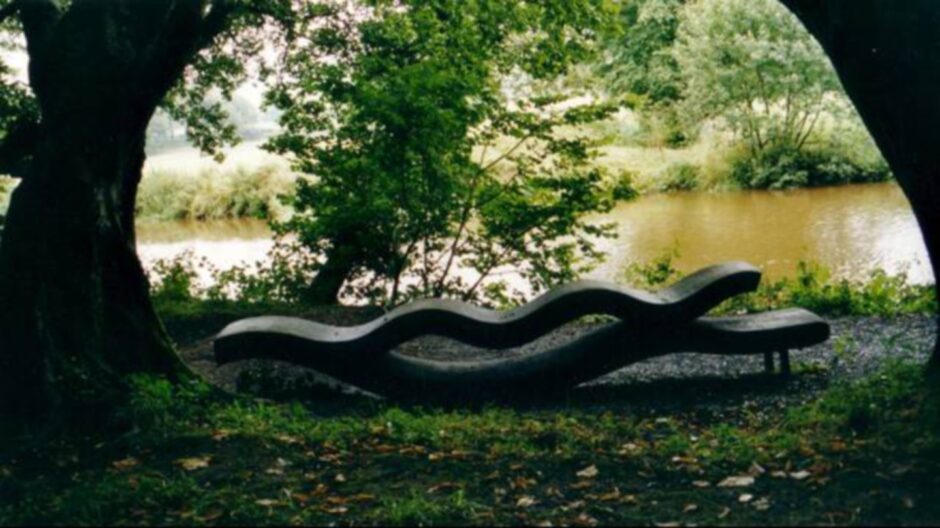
(739, 449)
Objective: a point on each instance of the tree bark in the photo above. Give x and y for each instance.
(75, 312)
(886, 56)
(329, 280)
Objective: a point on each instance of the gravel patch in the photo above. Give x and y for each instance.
(858, 346)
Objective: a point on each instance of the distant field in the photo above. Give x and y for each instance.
(247, 155)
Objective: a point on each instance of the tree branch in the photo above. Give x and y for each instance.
(9, 10)
(216, 21)
(39, 18)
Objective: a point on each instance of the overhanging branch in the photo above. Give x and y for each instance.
(216, 21)
(9, 10)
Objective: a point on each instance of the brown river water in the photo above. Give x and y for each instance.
(853, 230)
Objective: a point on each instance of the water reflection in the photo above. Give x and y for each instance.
(851, 229)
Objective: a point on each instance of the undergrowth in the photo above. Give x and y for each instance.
(813, 287)
(863, 452)
(213, 194)
(282, 280)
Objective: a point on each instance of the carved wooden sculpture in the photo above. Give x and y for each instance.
(650, 324)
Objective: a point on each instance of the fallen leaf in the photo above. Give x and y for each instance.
(745, 498)
(221, 434)
(689, 508)
(194, 463)
(611, 496)
(340, 477)
(701, 483)
(300, 497)
(266, 502)
(756, 470)
(898, 471)
(581, 484)
(339, 510)
(585, 519)
(210, 516)
(525, 502)
(443, 486)
(837, 446)
(724, 513)
(762, 504)
(522, 483)
(574, 505)
(779, 474)
(737, 482)
(125, 463)
(588, 472)
(628, 448)
(666, 524)
(800, 475)
(908, 502)
(361, 497)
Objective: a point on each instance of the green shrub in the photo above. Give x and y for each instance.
(783, 168)
(282, 277)
(653, 274)
(623, 188)
(174, 280)
(156, 402)
(679, 177)
(214, 195)
(812, 288)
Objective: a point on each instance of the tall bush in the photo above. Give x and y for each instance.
(422, 164)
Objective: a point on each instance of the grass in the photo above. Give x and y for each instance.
(813, 288)
(214, 194)
(862, 453)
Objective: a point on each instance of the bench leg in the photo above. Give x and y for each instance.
(785, 362)
(768, 362)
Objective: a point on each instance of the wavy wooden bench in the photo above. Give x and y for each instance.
(650, 324)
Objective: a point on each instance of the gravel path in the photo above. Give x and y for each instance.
(858, 346)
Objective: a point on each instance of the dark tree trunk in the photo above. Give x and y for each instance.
(887, 55)
(75, 312)
(326, 285)
(74, 300)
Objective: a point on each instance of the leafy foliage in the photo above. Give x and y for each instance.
(213, 194)
(786, 167)
(639, 56)
(679, 177)
(812, 288)
(754, 65)
(751, 69)
(421, 162)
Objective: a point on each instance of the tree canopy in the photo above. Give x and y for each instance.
(420, 160)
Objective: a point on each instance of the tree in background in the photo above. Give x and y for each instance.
(638, 60)
(420, 162)
(751, 64)
(750, 68)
